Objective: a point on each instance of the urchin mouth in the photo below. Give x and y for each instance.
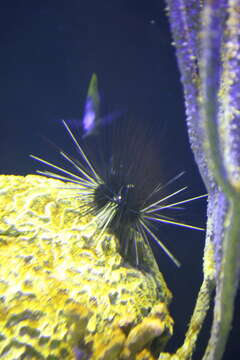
(123, 197)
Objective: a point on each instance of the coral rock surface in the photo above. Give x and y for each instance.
(65, 293)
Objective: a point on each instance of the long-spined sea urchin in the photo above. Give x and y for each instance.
(116, 201)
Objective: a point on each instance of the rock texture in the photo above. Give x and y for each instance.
(65, 293)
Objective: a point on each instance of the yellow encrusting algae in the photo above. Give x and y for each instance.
(65, 293)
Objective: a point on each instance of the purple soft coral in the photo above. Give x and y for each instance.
(206, 36)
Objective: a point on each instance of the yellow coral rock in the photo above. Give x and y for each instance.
(65, 293)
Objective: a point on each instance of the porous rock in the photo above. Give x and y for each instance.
(65, 293)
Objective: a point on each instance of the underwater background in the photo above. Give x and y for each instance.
(48, 54)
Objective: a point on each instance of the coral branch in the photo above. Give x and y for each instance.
(210, 69)
(221, 139)
(229, 96)
(212, 99)
(184, 17)
(226, 285)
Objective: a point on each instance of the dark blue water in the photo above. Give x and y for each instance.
(49, 50)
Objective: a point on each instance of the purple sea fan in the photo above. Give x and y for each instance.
(206, 35)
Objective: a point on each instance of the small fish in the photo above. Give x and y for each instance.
(91, 121)
(91, 117)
